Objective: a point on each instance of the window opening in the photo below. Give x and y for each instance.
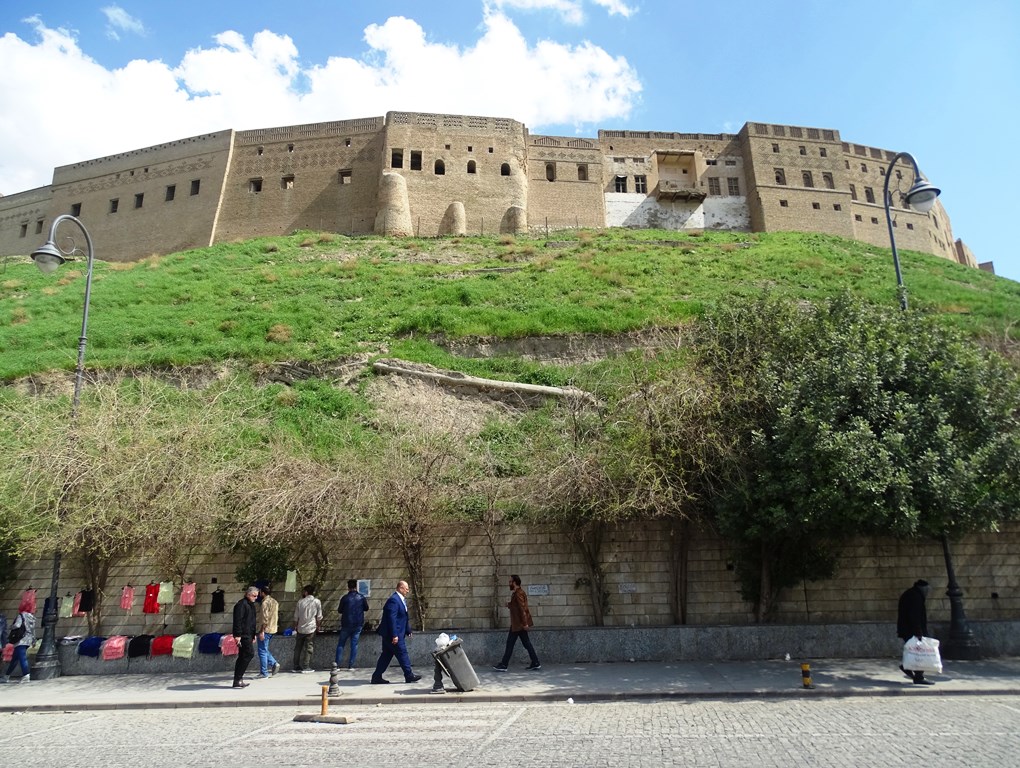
(345, 175)
(171, 192)
(620, 184)
(290, 147)
(780, 176)
(582, 173)
(415, 160)
(713, 187)
(550, 171)
(24, 230)
(471, 166)
(38, 226)
(440, 168)
(733, 186)
(139, 199)
(254, 185)
(504, 169)
(195, 184)
(803, 149)
(784, 204)
(114, 205)
(869, 194)
(641, 184)
(287, 182)
(823, 152)
(809, 180)
(827, 180)
(76, 209)
(397, 158)
(816, 206)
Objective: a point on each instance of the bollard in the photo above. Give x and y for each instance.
(325, 701)
(805, 675)
(334, 681)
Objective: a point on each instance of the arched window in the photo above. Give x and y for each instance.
(582, 173)
(471, 166)
(504, 170)
(550, 171)
(440, 168)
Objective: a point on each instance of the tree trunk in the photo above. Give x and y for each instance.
(680, 539)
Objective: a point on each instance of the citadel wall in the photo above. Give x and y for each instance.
(473, 175)
(466, 588)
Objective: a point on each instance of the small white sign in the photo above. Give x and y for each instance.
(628, 589)
(538, 589)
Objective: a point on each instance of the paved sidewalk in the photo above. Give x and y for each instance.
(581, 682)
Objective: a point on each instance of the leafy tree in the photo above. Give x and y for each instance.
(852, 419)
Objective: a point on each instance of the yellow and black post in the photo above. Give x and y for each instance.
(805, 675)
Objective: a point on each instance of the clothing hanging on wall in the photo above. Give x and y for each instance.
(76, 609)
(218, 602)
(291, 584)
(166, 592)
(66, 607)
(127, 598)
(151, 604)
(188, 593)
(88, 600)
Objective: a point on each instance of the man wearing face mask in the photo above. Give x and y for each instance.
(912, 621)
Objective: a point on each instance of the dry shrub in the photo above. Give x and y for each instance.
(506, 239)
(695, 232)
(12, 284)
(120, 266)
(227, 326)
(280, 333)
(529, 250)
(728, 247)
(270, 277)
(326, 238)
(307, 243)
(270, 248)
(18, 316)
(49, 291)
(585, 237)
(287, 397)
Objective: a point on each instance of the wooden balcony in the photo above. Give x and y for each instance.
(671, 189)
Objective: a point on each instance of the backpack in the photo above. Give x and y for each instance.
(17, 632)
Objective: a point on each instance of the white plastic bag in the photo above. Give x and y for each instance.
(922, 655)
(442, 641)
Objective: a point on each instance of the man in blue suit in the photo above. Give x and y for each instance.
(395, 628)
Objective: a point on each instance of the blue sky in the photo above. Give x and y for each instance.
(940, 80)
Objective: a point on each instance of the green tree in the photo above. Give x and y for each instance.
(852, 419)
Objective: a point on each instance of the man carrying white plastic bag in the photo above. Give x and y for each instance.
(920, 653)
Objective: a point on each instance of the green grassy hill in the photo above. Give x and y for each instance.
(312, 297)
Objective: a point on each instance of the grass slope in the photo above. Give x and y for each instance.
(318, 297)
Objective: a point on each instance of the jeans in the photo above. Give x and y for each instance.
(511, 641)
(348, 634)
(20, 657)
(266, 658)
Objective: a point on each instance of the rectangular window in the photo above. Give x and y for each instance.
(857, 217)
(139, 199)
(837, 207)
(713, 187)
(780, 176)
(76, 209)
(816, 206)
(803, 149)
(38, 226)
(853, 192)
(783, 204)
(415, 159)
(114, 204)
(809, 180)
(345, 176)
(874, 220)
(711, 162)
(869, 194)
(731, 162)
(775, 147)
(733, 186)
(195, 184)
(641, 184)
(620, 184)
(909, 225)
(254, 186)
(397, 158)
(827, 180)
(823, 152)
(24, 230)
(287, 182)
(864, 167)
(582, 172)
(171, 191)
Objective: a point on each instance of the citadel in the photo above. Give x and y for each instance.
(419, 174)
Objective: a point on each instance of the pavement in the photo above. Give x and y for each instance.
(580, 682)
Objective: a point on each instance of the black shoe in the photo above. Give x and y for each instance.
(240, 684)
(922, 681)
(536, 665)
(412, 679)
(379, 681)
(906, 674)
(500, 667)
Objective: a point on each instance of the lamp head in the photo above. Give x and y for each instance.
(921, 196)
(48, 257)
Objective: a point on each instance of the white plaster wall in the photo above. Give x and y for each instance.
(624, 209)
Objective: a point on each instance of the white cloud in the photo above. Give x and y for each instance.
(73, 108)
(616, 7)
(118, 20)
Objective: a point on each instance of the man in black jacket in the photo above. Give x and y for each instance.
(912, 621)
(245, 614)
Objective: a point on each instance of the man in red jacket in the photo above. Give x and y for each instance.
(520, 620)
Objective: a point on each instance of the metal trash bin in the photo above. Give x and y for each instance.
(455, 662)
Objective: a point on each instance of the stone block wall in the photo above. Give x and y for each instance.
(467, 589)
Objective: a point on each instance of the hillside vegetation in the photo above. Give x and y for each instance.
(769, 388)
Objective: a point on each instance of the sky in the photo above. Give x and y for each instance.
(82, 79)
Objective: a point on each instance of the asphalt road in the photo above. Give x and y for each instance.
(860, 731)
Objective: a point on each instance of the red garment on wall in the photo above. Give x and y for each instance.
(150, 605)
(127, 598)
(76, 609)
(188, 594)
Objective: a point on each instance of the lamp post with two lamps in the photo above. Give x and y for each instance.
(921, 197)
(48, 257)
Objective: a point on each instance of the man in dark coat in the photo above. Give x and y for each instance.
(245, 618)
(912, 621)
(520, 621)
(395, 628)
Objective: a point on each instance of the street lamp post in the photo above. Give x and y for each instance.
(921, 197)
(48, 257)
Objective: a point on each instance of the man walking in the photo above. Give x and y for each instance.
(395, 628)
(912, 621)
(307, 621)
(245, 620)
(352, 609)
(268, 623)
(520, 620)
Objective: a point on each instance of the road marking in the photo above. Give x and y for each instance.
(47, 730)
(249, 734)
(502, 729)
